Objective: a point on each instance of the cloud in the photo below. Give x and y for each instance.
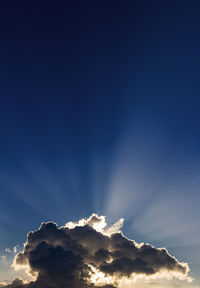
(89, 254)
(17, 283)
(14, 250)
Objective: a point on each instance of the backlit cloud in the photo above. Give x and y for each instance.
(89, 254)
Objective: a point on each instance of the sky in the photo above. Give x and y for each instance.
(99, 113)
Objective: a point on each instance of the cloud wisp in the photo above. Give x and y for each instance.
(90, 254)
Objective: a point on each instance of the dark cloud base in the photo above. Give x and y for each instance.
(67, 257)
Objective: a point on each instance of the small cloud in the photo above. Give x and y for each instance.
(15, 249)
(3, 259)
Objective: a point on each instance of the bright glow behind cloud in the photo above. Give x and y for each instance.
(87, 254)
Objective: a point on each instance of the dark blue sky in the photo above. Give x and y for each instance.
(99, 112)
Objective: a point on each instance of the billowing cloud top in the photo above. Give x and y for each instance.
(89, 254)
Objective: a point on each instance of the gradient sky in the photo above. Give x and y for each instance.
(100, 112)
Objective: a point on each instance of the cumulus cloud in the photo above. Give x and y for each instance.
(89, 254)
(14, 250)
(17, 283)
